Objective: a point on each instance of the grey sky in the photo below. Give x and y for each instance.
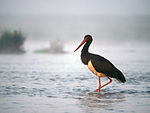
(77, 7)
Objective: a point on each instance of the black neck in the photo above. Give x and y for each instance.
(86, 47)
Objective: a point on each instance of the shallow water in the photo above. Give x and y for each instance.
(44, 83)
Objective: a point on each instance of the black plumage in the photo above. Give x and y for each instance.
(100, 64)
(103, 65)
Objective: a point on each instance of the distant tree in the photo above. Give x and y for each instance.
(56, 46)
(11, 42)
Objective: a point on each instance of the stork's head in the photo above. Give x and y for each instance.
(87, 38)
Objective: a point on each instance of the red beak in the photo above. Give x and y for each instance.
(85, 39)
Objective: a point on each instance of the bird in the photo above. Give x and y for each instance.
(99, 65)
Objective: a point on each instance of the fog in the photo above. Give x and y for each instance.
(110, 22)
(40, 73)
(75, 7)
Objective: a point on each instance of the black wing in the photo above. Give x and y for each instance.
(103, 65)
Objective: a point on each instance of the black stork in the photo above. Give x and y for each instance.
(99, 65)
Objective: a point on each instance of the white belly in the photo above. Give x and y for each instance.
(92, 69)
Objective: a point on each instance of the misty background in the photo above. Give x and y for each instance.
(110, 22)
(60, 82)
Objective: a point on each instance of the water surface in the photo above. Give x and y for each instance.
(45, 83)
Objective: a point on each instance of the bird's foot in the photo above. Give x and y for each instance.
(97, 90)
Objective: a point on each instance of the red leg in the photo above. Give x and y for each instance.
(108, 82)
(98, 90)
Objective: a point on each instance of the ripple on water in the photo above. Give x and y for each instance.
(103, 100)
(41, 80)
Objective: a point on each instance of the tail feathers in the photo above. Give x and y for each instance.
(119, 76)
